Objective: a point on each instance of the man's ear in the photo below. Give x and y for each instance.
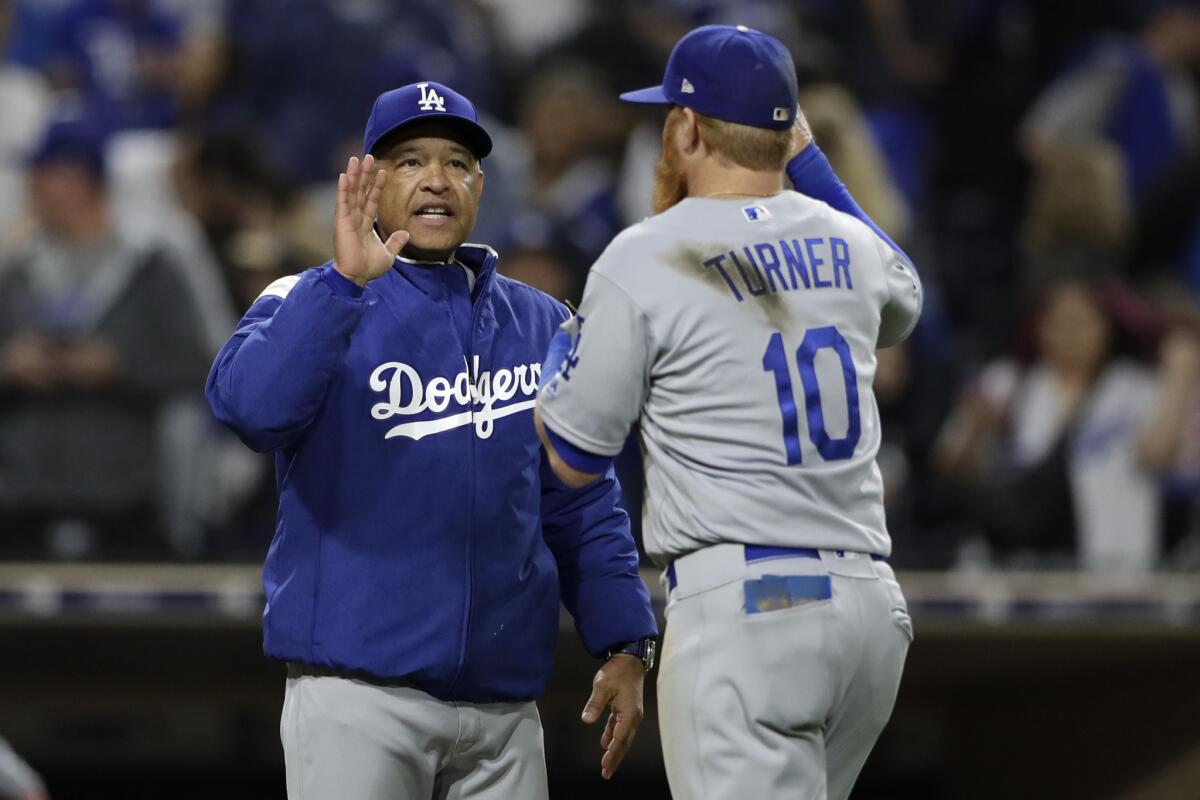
(689, 133)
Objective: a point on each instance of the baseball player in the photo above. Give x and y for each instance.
(737, 329)
(423, 543)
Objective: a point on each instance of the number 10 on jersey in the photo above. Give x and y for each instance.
(776, 360)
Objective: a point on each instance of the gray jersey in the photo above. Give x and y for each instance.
(740, 337)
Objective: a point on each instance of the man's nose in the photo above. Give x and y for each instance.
(434, 179)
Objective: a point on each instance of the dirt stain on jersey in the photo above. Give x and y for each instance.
(688, 260)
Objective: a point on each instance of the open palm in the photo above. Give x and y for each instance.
(358, 252)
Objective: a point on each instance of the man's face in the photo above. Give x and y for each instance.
(61, 191)
(433, 189)
(1075, 332)
(670, 182)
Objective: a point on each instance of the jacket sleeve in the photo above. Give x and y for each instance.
(270, 378)
(588, 532)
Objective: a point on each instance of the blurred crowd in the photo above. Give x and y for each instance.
(161, 161)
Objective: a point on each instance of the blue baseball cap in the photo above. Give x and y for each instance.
(426, 102)
(730, 73)
(70, 141)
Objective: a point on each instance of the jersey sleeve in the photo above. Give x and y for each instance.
(900, 313)
(597, 392)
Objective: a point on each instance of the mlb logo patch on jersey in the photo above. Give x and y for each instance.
(756, 213)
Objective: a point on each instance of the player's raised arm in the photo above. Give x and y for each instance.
(270, 377)
(811, 174)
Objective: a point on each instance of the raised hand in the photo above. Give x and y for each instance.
(802, 135)
(358, 252)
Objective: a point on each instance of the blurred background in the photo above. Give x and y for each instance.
(161, 161)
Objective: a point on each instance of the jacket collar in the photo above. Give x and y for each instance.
(479, 258)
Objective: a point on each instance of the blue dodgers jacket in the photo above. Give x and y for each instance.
(421, 534)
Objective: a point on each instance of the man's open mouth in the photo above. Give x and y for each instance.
(434, 213)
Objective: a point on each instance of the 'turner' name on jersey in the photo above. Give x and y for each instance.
(784, 266)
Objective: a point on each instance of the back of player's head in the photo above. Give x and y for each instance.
(761, 149)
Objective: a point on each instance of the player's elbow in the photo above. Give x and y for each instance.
(573, 478)
(254, 418)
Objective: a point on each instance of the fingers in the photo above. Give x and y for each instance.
(374, 189)
(351, 189)
(365, 175)
(353, 171)
(619, 684)
(624, 732)
(601, 695)
(349, 202)
(607, 737)
(396, 242)
(342, 209)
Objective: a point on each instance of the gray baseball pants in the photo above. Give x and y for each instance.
(345, 739)
(777, 686)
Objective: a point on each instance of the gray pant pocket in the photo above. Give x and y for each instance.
(903, 621)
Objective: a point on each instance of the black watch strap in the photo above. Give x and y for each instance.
(644, 649)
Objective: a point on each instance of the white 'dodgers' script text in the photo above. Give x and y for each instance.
(402, 381)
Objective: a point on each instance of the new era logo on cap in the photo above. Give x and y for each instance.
(781, 114)
(687, 87)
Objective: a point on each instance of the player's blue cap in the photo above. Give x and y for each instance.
(426, 102)
(730, 73)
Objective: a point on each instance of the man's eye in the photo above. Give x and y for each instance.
(458, 164)
(410, 162)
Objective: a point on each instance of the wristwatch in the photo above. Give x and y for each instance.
(642, 648)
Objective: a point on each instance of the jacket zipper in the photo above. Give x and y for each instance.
(472, 383)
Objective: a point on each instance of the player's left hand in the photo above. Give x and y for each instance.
(617, 684)
(802, 135)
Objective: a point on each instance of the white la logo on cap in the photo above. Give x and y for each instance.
(430, 99)
(687, 87)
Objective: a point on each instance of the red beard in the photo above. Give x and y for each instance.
(670, 184)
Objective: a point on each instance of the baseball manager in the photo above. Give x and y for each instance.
(423, 542)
